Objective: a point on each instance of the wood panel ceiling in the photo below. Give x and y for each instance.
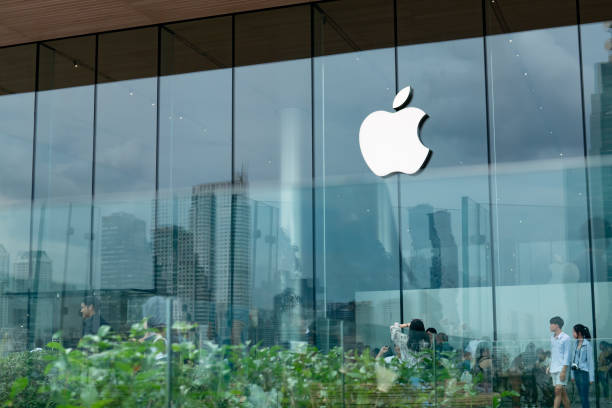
(23, 21)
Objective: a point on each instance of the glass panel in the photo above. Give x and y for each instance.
(62, 191)
(445, 216)
(124, 175)
(191, 237)
(17, 79)
(597, 80)
(271, 201)
(539, 190)
(356, 212)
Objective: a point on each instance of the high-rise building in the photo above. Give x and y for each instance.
(220, 222)
(194, 258)
(125, 255)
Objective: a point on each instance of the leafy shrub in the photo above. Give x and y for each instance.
(106, 370)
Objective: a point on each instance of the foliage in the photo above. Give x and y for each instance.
(106, 370)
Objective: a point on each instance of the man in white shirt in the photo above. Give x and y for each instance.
(560, 352)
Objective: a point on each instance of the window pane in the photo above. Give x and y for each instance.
(62, 191)
(539, 190)
(192, 236)
(356, 211)
(597, 79)
(445, 215)
(124, 173)
(17, 79)
(271, 198)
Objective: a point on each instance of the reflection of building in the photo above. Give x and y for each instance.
(125, 255)
(5, 260)
(220, 217)
(434, 263)
(601, 173)
(196, 263)
(42, 269)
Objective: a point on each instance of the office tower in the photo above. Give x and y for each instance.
(125, 256)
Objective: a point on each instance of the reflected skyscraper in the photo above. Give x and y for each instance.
(220, 222)
(5, 260)
(125, 253)
(600, 169)
(196, 263)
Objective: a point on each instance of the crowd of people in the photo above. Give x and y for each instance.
(536, 374)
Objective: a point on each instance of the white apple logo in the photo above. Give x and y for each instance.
(390, 142)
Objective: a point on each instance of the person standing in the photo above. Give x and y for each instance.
(90, 311)
(583, 367)
(559, 361)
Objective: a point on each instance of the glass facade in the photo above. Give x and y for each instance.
(216, 163)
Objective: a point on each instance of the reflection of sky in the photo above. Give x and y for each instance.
(64, 143)
(195, 129)
(126, 136)
(534, 86)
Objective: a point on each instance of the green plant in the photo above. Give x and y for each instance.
(107, 370)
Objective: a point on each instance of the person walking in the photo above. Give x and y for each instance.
(583, 367)
(559, 360)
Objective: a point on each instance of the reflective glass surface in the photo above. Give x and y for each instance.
(61, 219)
(17, 85)
(538, 179)
(445, 210)
(200, 189)
(271, 207)
(124, 174)
(356, 221)
(597, 79)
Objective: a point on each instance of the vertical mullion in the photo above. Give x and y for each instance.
(157, 126)
(30, 321)
(93, 164)
(588, 195)
(312, 171)
(233, 183)
(399, 181)
(491, 167)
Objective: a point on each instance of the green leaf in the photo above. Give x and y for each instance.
(18, 386)
(103, 330)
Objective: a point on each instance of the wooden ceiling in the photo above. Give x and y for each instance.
(23, 21)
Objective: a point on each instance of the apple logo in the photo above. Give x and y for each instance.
(390, 142)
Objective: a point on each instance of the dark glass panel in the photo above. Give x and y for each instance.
(271, 201)
(18, 72)
(192, 238)
(357, 248)
(125, 162)
(353, 26)
(505, 16)
(274, 35)
(445, 216)
(423, 21)
(129, 54)
(67, 63)
(196, 46)
(17, 79)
